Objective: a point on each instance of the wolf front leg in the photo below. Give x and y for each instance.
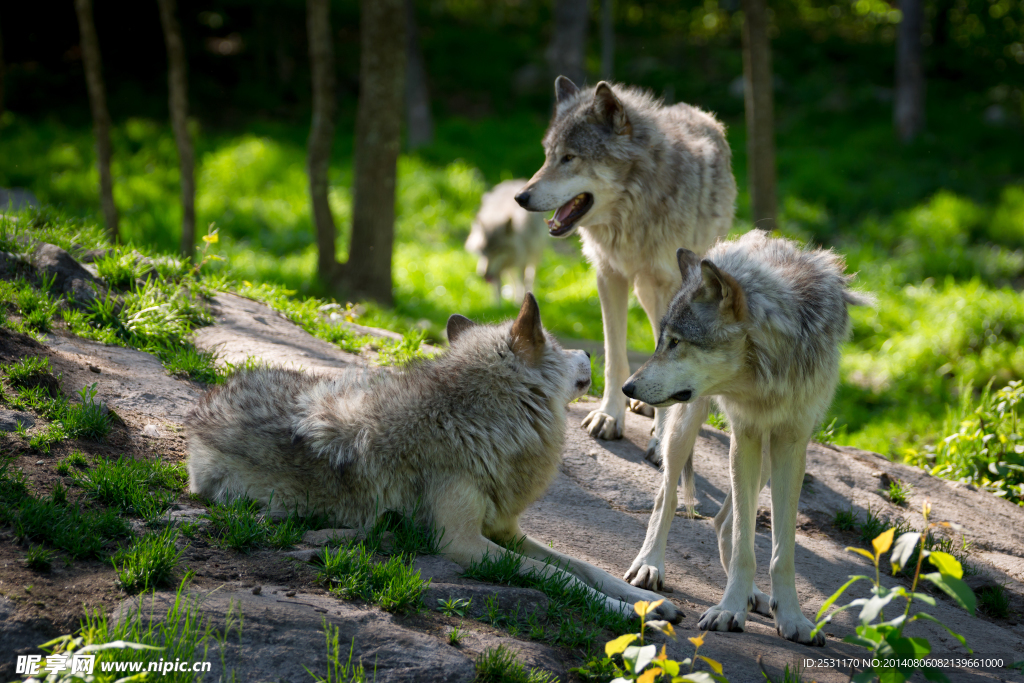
(757, 601)
(745, 469)
(788, 463)
(609, 419)
(684, 421)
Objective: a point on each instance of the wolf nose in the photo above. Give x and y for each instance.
(523, 199)
(629, 388)
(682, 396)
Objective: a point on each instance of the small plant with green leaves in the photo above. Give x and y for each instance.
(455, 636)
(899, 492)
(403, 351)
(717, 420)
(500, 665)
(845, 520)
(337, 670)
(141, 487)
(75, 460)
(629, 659)
(39, 559)
(894, 655)
(148, 563)
(454, 607)
(242, 525)
(351, 572)
(826, 434)
(119, 267)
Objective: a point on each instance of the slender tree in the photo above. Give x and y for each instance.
(420, 124)
(378, 129)
(908, 103)
(757, 79)
(607, 40)
(566, 53)
(321, 136)
(177, 82)
(100, 115)
(3, 69)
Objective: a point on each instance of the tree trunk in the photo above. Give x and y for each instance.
(178, 103)
(908, 104)
(321, 136)
(378, 129)
(607, 40)
(566, 53)
(757, 79)
(100, 115)
(3, 68)
(420, 124)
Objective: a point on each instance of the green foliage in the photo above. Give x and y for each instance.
(629, 659)
(75, 460)
(404, 533)
(898, 492)
(82, 534)
(984, 446)
(404, 350)
(576, 613)
(39, 558)
(149, 562)
(845, 520)
(993, 601)
(893, 654)
(826, 434)
(140, 487)
(242, 525)
(338, 671)
(454, 607)
(351, 572)
(718, 420)
(500, 665)
(455, 636)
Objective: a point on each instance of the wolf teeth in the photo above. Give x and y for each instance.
(556, 223)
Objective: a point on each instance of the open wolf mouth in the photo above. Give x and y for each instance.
(565, 218)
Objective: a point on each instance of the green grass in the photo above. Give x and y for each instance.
(899, 491)
(241, 525)
(575, 618)
(500, 665)
(994, 601)
(82, 534)
(138, 487)
(351, 572)
(339, 671)
(39, 558)
(845, 520)
(65, 466)
(150, 562)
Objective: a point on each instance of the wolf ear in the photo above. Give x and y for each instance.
(687, 261)
(527, 333)
(721, 288)
(565, 90)
(457, 324)
(610, 111)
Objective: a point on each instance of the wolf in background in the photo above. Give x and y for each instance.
(469, 439)
(639, 180)
(757, 324)
(508, 239)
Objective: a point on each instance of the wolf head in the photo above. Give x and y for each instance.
(590, 132)
(526, 351)
(701, 347)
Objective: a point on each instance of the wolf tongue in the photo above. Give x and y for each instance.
(564, 210)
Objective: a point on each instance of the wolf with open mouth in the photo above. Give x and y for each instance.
(639, 180)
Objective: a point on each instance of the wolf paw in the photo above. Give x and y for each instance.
(652, 455)
(601, 425)
(719, 619)
(640, 408)
(797, 627)
(644, 575)
(760, 603)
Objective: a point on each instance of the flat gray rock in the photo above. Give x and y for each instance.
(69, 277)
(11, 419)
(245, 328)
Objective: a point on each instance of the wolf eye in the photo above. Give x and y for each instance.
(673, 343)
(567, 158)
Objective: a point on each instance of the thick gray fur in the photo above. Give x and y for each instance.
(757, 324)
(508, 239)
(660, 178)
(469, 439)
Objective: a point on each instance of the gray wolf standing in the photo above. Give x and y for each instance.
(508, 239)
(757, 324)
(474, 435)
(639, 179)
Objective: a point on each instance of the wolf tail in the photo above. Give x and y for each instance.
(855, 298)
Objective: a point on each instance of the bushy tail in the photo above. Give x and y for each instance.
(855, 298)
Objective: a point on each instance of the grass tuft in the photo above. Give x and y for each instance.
(338, 671)
(393, 584)
(149, 562)
(39, 559)
(140, 487)
(994, 601)
(500, 665)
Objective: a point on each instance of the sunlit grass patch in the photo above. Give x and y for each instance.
(149, 562)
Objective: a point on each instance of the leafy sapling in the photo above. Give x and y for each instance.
(895, 655)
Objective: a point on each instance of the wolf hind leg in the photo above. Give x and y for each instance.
(608, 420)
